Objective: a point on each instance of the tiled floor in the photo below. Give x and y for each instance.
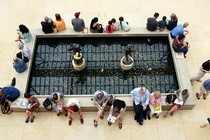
(184, 125)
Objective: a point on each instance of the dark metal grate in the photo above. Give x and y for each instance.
(52, 69)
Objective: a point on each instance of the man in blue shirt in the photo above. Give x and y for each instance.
(204, 90)
(9, 94)
(19, 65)
(140, 97)
(179, 29)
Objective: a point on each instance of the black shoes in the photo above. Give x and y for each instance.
(13, 82)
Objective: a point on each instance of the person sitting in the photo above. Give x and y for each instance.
(118, 108)
(59, 23)
(182, 96)
(57, 100)
(110, 27)
(9, 95)
(19, 65)
(162, 23)
(47, 25)
(171, 24)
(95, 27)
(179, 29)
(179, 45)
(116, 24)
(24, 54)
(155, 101)
(33, 105)
(100, 101)
(140, 97)
(73, 106)
(24, 34)
(78, 23)
(124, 25)
(152, 24)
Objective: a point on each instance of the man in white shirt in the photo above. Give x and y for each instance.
(24, 53)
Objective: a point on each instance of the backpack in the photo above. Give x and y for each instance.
(48, 104)
(170, 98)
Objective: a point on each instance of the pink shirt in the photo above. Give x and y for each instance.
(112, 28)
(154, 101)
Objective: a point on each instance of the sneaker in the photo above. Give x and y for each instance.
(13, 83)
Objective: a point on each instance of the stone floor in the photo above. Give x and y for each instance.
(184, 125)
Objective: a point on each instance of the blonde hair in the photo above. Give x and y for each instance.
(157, 94)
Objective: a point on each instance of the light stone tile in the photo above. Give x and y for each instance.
(172, 131)
(36, 133)
(194, 132)
(11, 132)
(15, 118)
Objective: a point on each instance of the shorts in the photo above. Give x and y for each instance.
(202, 89)
(178, 105)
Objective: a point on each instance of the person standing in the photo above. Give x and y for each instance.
(204, 90)
(140, 97)
(205, 68)
(100, 101)
(152, 24)
(78, 23)
(118, 107)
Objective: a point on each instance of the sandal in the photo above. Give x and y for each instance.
(58, 114)
(10, 111)
(204, 96)
(32, 119)
(203, 125)
(198, 96)
(120, 126)
(172, 113)
(95, 123)
(165, 115)
(70, 122)
(27, 119)
(81, 120)
(102, 116)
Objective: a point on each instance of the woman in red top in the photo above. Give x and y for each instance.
(110, 27)
(33, 104)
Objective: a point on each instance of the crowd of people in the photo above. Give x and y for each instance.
(145, 104)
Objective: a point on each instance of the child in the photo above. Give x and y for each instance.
(110, 27)
(162, 23)
(116, 24)
(124, 25)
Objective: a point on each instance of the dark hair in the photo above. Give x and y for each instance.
(109, 26)
(156, 15)
(94, 20)
(121, 19)
(57, 16)
(27, 95)
(75, 108)
(23, 29)
(164, 18)
(55, 96)
(113, 20)
(180, 37)
(184, 92)
(99, 96)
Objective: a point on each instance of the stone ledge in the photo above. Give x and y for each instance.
(86, 103)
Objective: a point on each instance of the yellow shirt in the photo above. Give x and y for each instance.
(60, 25)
